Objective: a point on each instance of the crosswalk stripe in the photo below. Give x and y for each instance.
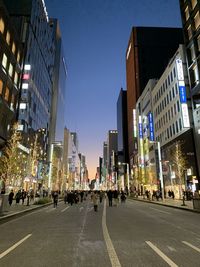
(161, 254)
(192, 246)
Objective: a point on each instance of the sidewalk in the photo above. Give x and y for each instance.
(16, 210)
(175, 203)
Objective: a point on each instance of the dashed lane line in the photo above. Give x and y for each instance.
(110, 248)
(192, 246)
(64, 209)
(161, 254)
(14, 246)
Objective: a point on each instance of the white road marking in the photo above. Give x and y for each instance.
(110, 248)
(161, 254)
(192, 246)
(14, 246)
(64, 209)
(161, 211)
(80, 209)
(171, 248)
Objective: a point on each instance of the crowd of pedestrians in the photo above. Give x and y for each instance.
(20, 196)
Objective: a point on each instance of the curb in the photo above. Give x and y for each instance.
(6, 218)
(167, 205)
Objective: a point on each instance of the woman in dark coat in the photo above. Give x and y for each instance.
(10, 197)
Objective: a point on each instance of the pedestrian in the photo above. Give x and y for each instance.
(23, 196)
(10, 197)
(17, 197)
(123, 197)
(110, 196)
(55, 199)
(115, 196)
(95, 200)
(65, 196)
(101, 195)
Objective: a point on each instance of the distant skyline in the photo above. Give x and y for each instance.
(95, 35)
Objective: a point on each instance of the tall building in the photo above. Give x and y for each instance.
(148, 53)
(164, 115)
(11, 56)
(112, 149)
(35, 32)
(59, 87)
(122, 127)
(190, 13)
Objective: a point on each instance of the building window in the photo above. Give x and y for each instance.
(178, 106)
(1, 87)
(192, 53)
(10, 71)
(8, 37)
(4, 61)
(7, 92)
(180, 124)
(193, 2)
(16, 78)
(173, 94)
(175, 109)
(170, 95)
(186, 13)
(196, 74)
(2, 25)
(170, 131)
(12, 104)
(18, 57)
(189, 32)
(197, 20)
(174, 73)
(198, 42)
(176, 88)
(176, 126)
(13, 48)
(173, 129)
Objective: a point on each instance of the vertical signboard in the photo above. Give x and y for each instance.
(151, 127)
(182, 94)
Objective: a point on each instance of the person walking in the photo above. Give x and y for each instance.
(10, 197)
(110, 196)
(55, 199)
(95, 200)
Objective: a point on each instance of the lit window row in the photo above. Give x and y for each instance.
(8, 39)
(10, 69)
(171, 131)
(9, 97)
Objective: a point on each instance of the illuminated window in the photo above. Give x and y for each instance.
(189, 31)
(4, 61)
(2, 25)
(10, 71)
(1, 87)
(16, 78)
(196, 74)
(18, 57)
(187, 14)
(13, 48)
(192, 52)
(193, 2)
(8, 37)
(7, 94)
(12, 104)
(198, 42)
(197, 20)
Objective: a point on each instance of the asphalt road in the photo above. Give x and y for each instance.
(131, 234)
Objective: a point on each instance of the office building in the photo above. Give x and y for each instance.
(190, 13)
(122, 127)
(11, 56)
(148, 53)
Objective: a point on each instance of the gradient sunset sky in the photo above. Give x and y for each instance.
(95, 35)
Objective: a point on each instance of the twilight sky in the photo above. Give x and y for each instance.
(95, 35)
